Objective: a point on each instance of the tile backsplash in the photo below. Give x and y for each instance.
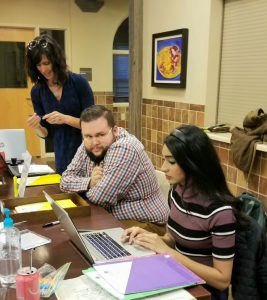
(120, 111)
(237, 180)
(160, 117)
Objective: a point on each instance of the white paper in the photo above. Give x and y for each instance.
(29, 180)
(94, 276)
(30, 240)
(117, 275)
(38, 169)
(24, 172)
(174, 295)
(180, 294)
(81, 288)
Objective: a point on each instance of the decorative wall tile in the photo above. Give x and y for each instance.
(263, 169)
(160, 117)
(263, 186)
(224, 155)
(174, 114)
(253, 183)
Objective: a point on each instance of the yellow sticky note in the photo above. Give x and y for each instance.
(40, 206)
(45, 179)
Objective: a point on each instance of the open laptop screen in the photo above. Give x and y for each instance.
(12, 143)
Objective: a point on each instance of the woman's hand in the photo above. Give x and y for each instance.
(55, 118)
(34, 121)
(152, 241)
(142, 237)
(131, 233)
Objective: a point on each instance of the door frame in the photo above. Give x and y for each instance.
(36, 30)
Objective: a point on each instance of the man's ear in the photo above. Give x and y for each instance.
(116, 130)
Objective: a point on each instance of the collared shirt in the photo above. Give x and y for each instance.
(128, 188)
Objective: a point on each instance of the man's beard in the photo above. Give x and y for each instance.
(96, 159)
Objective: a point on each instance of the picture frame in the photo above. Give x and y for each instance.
(169, 58)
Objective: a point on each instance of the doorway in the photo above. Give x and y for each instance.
(15, 89)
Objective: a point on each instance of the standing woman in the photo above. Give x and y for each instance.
(202, 221)
(58, 97)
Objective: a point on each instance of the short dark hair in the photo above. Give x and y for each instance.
(53, 52)
(95, 112)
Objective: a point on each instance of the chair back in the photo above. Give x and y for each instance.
(163, 183)
(249, 275)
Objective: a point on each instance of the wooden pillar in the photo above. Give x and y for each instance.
(135, 66)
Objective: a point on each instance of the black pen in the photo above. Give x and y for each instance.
(51, 224)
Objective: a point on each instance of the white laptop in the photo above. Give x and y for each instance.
(96, 245)
(13, 143)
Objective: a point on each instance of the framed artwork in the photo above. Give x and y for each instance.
(169, 58)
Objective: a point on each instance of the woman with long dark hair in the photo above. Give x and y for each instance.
(202, 221)
(58, 96)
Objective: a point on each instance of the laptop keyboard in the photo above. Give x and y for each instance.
(106, 245)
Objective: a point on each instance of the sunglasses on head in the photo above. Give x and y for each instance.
(41, 42)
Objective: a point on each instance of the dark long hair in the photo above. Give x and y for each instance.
(53, 52)
(194, 153)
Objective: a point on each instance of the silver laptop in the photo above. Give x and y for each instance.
(15, 170)
(96, 245)
(13, 143)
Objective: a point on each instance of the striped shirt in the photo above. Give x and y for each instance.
(128, 188)
(201, 232)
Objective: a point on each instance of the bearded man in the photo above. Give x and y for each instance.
(113, 170)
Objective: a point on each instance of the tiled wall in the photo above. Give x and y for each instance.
(237, 181)
(120, 111)
(160, 117)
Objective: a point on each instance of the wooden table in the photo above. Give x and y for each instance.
(61, 250)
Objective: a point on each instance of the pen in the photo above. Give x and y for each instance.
(19, 223)
(51, 224)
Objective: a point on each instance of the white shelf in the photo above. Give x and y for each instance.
(226, 138)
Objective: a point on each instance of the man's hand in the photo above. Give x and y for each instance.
(96, 176)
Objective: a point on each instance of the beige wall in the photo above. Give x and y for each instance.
(203, 19)
(89, 36)
(92, 40)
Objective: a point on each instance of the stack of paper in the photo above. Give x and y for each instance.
(31, 240)
(142, 276)
(37, 169)
(83, 288)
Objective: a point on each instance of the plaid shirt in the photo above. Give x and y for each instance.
(128, 188)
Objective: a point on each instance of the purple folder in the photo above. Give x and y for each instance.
(156, 272)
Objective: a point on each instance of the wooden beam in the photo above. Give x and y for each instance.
(135, 66)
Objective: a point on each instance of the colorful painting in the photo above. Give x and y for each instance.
(169, 58)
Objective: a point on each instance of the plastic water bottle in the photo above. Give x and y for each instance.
(10, 251)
